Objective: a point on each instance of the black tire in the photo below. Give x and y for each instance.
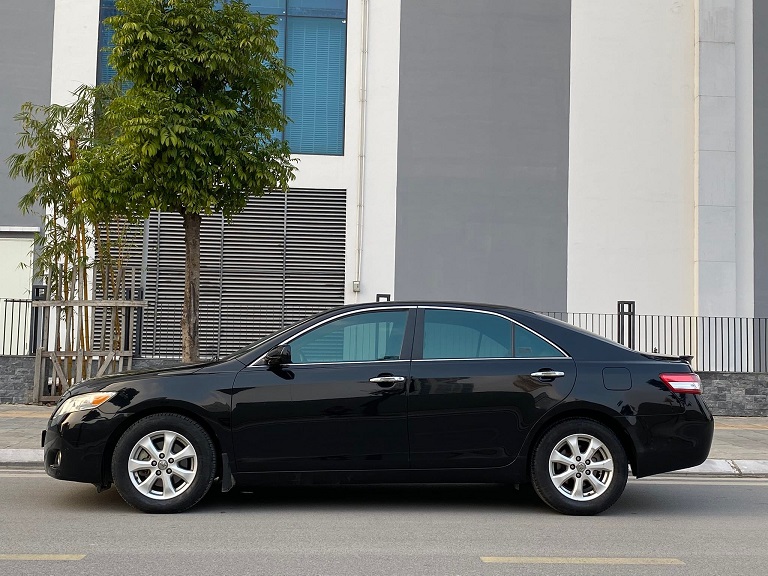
(565, 481)
(186, 471)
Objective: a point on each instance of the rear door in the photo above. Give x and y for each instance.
(479, 381)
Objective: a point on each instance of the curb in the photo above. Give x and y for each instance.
(714, 468)
(726, 468)
(21, 458)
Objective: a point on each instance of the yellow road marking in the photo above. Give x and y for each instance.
(580, 560)
(55, 557)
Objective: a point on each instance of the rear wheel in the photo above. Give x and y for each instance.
(164, 463)
(579, 467)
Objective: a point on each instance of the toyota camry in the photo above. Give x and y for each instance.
(390, 392)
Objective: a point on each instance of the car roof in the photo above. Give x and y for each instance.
(426, 303)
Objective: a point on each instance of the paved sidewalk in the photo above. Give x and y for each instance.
(740, 447)
(20, 434)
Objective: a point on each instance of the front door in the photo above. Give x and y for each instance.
(340, 404)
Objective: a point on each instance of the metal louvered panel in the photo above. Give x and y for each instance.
(125, 249)
(126, 246)
(165, 286)
(161, 333)
(252, 272)
(277, 262)
(211, 232)
(314, 255)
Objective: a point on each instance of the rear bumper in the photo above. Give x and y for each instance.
(673, 442)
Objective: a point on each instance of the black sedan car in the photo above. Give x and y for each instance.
(390, 392)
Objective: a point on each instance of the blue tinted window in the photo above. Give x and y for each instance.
(104, 72)
(312, 39)
(318, 8)
(365, 337)
(267, 6)
(316, 49)
(456, 334)
(280, 97)
(529, 345)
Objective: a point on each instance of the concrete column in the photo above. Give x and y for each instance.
(745, 161)
(75, 47)
(715, 211)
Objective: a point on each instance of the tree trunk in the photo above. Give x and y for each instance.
(190, 348)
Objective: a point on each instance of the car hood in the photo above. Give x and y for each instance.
(101, 382)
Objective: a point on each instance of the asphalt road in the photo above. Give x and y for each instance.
(660, 526)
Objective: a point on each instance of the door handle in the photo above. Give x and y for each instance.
(387, 381)
(548, 374)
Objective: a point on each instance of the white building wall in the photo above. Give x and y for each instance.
(75, 51)
(631, 161)
(16, 245)
(745, 246)
(715, 171)
(370, 248)
(724, 240)
(15, 283)
(370, 253)
(75, 45)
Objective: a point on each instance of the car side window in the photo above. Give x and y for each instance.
(364, 337)
(457, 334)
(530, 345)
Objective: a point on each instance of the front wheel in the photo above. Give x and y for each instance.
(164, 463)
(579, 467)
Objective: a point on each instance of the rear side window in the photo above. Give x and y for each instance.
(529, 345)
(460, 334)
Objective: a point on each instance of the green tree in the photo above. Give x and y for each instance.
(197, 129)
(51, 140)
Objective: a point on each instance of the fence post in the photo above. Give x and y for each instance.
(39, 292)
(626, 318)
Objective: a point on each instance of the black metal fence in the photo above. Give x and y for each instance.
(719, 344)
(16, 327)
(157, 328)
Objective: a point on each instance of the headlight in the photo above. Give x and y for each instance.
(83, 402)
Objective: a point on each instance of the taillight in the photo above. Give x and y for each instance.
(682, 382)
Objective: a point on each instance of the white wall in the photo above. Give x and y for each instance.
(631, 168)
(15, 281)
(75, 45)
(715, 251)
(74, 63)
(745, 247)
(376, 252)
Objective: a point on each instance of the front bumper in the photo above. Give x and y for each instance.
(74, 446)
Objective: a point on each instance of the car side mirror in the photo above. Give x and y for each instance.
(278, 356)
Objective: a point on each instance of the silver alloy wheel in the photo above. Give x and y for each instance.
(162, 465)
(581, 467)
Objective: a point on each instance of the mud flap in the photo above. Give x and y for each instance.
(227, 480)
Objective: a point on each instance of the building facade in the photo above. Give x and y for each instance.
(558, 155)
(26, 51)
